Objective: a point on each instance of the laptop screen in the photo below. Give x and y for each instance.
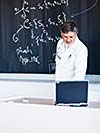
(72, 92)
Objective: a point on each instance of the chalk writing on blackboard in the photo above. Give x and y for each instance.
(35, 24)
(47, 4)
(84, 11)
(26, 60)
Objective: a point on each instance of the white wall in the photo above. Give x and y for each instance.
(28, 85)
(39, 86)
(94, 92)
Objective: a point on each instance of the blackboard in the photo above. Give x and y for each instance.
(30, 29)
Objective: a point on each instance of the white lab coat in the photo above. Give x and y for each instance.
(71, 62)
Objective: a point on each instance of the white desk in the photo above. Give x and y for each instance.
(35, 118)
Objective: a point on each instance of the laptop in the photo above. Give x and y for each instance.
(72, 93)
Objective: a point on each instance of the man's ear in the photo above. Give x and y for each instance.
(61, 34)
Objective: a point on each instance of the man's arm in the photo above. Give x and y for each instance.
(81, 64)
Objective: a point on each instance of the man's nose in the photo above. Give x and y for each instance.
(68, 40)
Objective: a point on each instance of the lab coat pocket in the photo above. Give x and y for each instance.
(71, 60)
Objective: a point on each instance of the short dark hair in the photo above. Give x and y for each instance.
(69, 25)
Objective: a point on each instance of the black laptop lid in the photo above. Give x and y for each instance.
(71, 92)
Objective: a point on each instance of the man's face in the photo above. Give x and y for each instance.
(69, 37)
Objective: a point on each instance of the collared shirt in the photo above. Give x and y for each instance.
(71, 61)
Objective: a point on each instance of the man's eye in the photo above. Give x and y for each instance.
(71, 36)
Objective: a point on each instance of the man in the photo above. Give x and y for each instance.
(71, 54)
